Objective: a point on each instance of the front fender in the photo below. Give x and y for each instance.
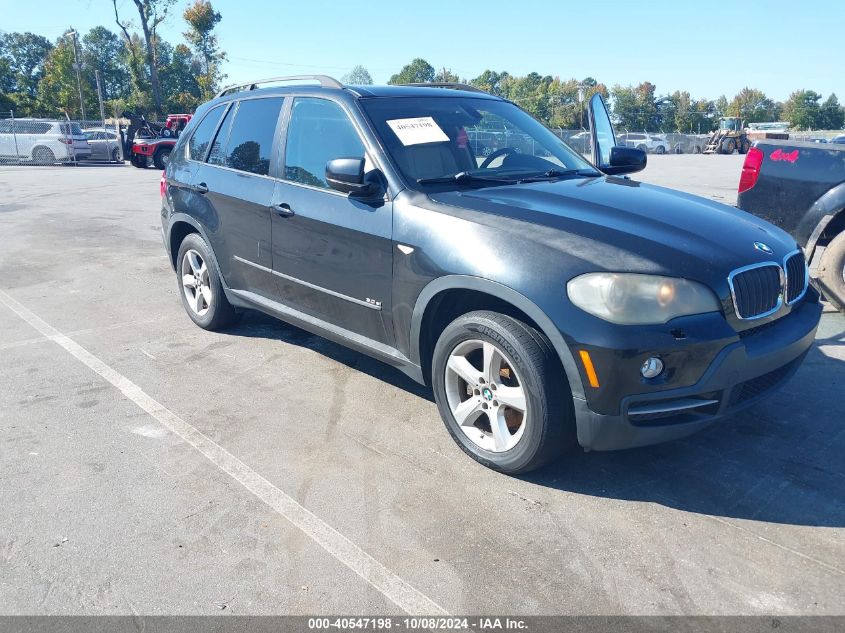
(817, 218)
(467, 282)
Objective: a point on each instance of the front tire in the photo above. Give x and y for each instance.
(832, 272)
(200, 286)
(660, 150)
(500, 392)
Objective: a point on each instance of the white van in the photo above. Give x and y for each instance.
(42, 141)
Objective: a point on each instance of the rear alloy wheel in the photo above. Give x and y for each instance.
(161, 158)
(659, 150)
(832, 272)
(200, 287)
(43, 156)
(497, 387)
(115, 155)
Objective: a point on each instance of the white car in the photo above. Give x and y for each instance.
(656, 143)
(43, 141)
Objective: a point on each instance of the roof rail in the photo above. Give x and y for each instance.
(448, 84)
(324, 80)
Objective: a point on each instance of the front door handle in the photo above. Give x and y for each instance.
(201, 188)
(284, 210)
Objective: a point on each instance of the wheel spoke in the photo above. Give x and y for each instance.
(461, 366)
(467, 412)
(195, 263)
(203, 274)
(514, 397)
(198, 302)
(501, 434)
(189, 281)
(206, 294)
(492, 359)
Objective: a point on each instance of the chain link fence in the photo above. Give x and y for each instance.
(51, 141)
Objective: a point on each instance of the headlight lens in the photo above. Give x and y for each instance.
(634, 299)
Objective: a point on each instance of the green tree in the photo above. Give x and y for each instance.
(358, 76)
(24, 56)
(752, 105)
(151, 14)
(418, 71)
(491, 81)
(202, 20)
(802, 110)
(57, 90)
(103, 50)
(832, 114)
(179, 80)
(447, 76)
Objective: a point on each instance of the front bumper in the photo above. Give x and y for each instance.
(743, 372)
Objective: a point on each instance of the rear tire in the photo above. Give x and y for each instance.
(161, 158)
(521, 369)
(115, 155)
(659, 150)
(200, 286)
(43, 156)
(139, 161)
(728, 146)
(832, 272)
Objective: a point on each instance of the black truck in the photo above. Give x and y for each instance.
(800, 187)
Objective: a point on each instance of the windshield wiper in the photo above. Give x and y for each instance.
(553, 174)
(464, 177)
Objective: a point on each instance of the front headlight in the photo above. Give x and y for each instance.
(634, 299)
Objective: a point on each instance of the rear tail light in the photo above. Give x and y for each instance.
(66, 141)
(750, 169)
(162, 185)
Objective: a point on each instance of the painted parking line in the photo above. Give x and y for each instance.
(344, 550)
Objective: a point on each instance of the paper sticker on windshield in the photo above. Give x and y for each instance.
(419, 130)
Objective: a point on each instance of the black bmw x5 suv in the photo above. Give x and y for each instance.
(548, 301)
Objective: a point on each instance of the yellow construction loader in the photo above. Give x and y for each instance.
(730, 136)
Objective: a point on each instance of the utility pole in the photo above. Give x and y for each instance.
(77, 67)
(100, 96)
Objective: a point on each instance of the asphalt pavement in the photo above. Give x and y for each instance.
(150, 467)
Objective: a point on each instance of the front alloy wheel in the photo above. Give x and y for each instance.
(501, 392)
(486, 396)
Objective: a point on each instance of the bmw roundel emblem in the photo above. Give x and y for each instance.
(763, 247)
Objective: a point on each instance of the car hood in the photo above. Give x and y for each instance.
(623, 224)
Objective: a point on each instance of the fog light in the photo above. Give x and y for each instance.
(652, 367)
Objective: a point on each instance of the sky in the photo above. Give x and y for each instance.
(708, 48)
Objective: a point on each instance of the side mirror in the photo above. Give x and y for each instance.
(625, 160)
(347, 176)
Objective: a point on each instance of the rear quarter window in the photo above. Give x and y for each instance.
(204, 132)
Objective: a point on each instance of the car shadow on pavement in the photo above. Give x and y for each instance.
(258, 325)
(780, 461)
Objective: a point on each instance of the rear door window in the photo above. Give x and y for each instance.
(250, 143)
(204, 132)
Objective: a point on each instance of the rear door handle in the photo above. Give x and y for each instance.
(201, 188)
(283, 209)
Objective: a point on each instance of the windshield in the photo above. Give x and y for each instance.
(466, 141)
